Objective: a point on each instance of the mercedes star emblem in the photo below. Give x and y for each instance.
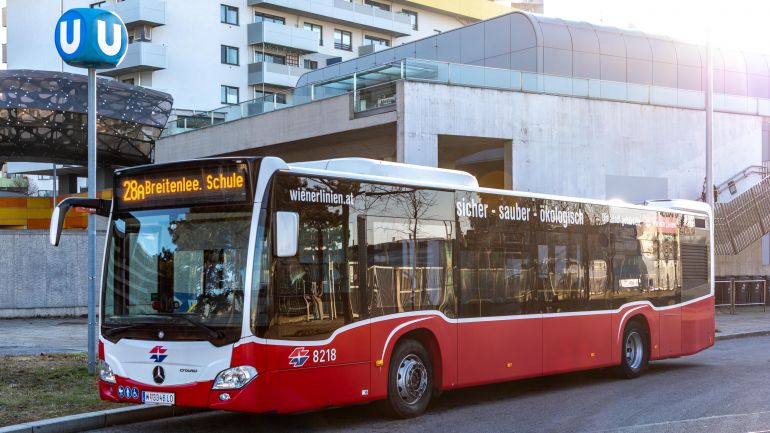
(158, 375)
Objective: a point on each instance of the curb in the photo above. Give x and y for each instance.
(103, 418)
(731, 337)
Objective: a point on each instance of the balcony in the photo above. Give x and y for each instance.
(140, 56)
(344, 12)
(140, 12)
(364, 50)
(274, 74)
(295, 38)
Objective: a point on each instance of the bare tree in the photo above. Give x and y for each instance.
(25, 185)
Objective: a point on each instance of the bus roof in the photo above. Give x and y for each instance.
(395, 170)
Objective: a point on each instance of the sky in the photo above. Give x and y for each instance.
(741, 24)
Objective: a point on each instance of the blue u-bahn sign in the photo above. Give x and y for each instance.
(91, 38)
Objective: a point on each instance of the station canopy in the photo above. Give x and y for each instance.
(43, 118)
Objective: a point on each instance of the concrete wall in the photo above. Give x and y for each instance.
(566, 146)
(748, 262)
(321, 118)
(37, 279)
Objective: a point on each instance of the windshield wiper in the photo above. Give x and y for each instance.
(112, 331)
(213, 333)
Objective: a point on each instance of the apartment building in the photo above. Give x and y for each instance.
(212, 53)
(3, 36)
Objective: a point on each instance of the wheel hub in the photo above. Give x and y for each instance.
(634, 350)
(412, 379)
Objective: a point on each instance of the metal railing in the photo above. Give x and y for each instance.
(762, 171)
(740, 292)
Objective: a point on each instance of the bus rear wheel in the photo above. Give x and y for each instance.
(635, 350)
(410, 380)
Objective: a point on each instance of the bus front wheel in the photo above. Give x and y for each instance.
(410, 379)
(635, 351)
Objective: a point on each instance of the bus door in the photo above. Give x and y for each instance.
(500, 326)
(409, 271)
(320, 332)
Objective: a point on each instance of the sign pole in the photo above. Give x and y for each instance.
(81, 38)
(91, 220)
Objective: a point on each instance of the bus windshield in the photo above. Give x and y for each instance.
(176, 274)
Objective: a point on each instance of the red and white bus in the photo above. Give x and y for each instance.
(250, 284)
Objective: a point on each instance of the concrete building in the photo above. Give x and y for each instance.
(528, 103)
(208, 54)
(45, 183)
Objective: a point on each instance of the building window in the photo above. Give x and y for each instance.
(318, 29)
(127, 81)
(260, 17)
(412, 17)
(229, 95)
(343, 40)
(372, 40)
(228, 14)
(377, 5)
(269, 58)
(229, 55)
(310, 64)
(97, 4)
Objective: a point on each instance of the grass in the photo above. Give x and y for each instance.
(35, 387)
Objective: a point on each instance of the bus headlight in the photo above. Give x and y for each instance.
(235, 378)
(105, 372)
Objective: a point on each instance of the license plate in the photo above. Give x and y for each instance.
(166, 398)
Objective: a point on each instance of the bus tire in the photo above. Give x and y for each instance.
(635, 351)
(410, 380)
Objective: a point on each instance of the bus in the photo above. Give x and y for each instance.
(250, 284)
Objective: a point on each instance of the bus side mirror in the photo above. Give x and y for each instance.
(57, 222)
(286, 233)
(94, 205)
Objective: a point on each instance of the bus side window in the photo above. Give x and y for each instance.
(495, 265)
(409, 265)
(316, 291)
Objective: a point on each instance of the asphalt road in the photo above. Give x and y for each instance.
(724, 389)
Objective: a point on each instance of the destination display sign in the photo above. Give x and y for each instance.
(217, 184)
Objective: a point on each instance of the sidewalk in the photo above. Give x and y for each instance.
(746, 322)
(36, 336)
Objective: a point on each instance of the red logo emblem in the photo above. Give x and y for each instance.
(299, 357)
(157, 353)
